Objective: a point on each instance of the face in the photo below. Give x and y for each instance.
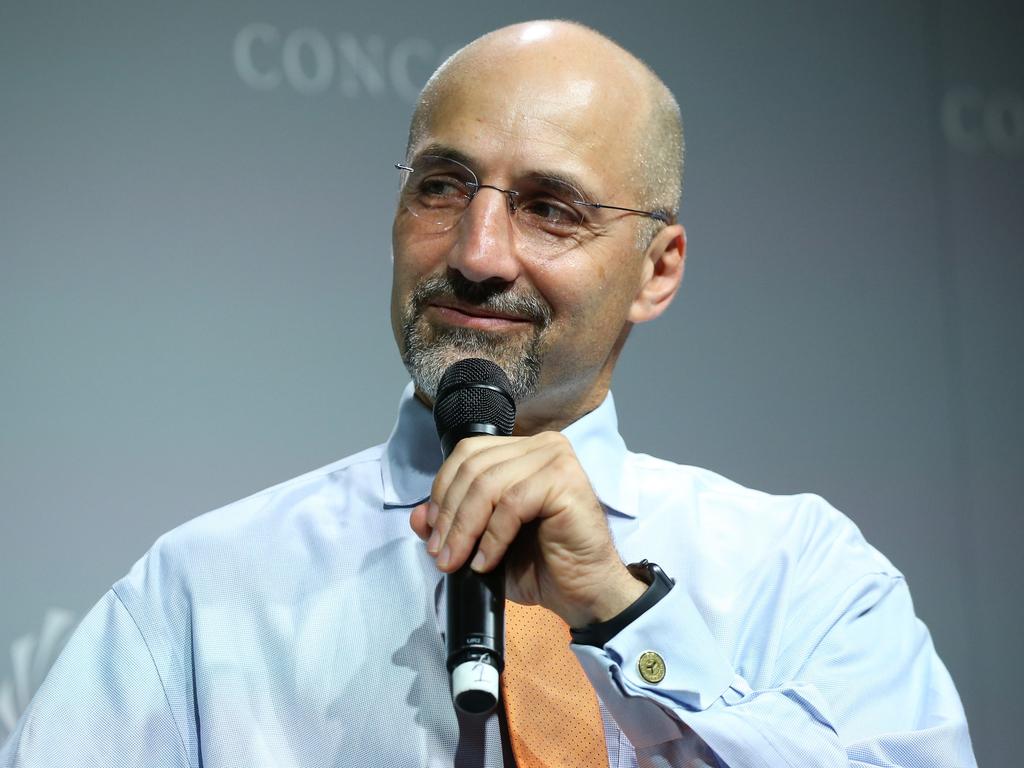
(553, 318)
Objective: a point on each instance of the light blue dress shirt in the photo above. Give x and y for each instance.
(302, 627)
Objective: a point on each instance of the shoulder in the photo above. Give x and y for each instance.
(315, 494)
(239, 543)
(790, 564)
(801, 530)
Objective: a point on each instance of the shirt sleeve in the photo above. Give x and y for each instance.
(102, 704)
(871, 691)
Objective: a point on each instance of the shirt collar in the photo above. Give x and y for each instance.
(412, 456)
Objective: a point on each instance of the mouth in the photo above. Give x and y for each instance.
(467, 316)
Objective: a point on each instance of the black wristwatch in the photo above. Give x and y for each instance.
(658, 585)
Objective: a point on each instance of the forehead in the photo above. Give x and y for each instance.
(514, 123)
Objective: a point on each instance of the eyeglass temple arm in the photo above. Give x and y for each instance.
(652, 214)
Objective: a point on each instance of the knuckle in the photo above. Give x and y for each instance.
(462, 449)
(444, 518)
(501, 530)
(444, 507)
(490, 542)
(513, 497)
(557, 439)
(470, 463)
(457, 526)
(485, 483)
(473, 466)
(564, 463)
(440, 484)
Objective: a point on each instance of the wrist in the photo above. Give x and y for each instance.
(614, 596)
(653, 584)
(606, 597)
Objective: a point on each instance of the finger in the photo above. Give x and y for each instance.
(483, 492)
(466, 451)
(419, 521)
(480, 469)
(517, 506)
(575, 526)
(536, 495)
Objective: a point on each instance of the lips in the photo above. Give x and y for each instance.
(459, 315)
(477, 312)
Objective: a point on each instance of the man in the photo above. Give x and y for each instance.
(301, 626)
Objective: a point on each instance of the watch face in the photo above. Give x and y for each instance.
(642, 571)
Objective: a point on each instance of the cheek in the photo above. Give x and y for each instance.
(581, 289)
(405, 273)
(415, 254)
(410, 261)
(397, 302)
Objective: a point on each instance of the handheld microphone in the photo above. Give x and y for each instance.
(473, 399)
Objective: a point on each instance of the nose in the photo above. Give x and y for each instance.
(485, 249)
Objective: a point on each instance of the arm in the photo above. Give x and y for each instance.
(872, 691)
(846, 676)
(102, 703)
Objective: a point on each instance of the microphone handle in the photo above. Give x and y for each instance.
(476, 615)
(476, 608)
(476, 637)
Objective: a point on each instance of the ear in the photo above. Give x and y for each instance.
(664, 260)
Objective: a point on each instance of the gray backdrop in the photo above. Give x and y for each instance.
(194, 269)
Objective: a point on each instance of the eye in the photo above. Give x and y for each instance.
(551, 215)
(440, 190)
(437, 182)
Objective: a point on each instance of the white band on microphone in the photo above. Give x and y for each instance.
(479, 680)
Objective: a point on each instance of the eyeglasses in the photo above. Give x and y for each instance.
(546, 211)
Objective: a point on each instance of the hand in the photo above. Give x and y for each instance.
(528, 501)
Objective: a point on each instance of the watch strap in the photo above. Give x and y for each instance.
(658, 585)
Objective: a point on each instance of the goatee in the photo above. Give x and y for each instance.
(429, 351)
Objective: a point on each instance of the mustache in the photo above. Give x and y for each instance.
(495, 298)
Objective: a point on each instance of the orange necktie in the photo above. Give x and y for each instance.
(551, 709)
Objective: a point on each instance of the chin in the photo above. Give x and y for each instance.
(427, 360)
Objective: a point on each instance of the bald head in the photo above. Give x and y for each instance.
(582, 64)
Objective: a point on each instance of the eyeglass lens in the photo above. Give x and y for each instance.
(437, 190)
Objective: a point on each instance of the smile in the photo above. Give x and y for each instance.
(474, 317)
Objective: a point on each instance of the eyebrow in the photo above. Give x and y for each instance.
(451, 153)
(443, 150)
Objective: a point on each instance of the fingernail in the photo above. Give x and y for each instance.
(433, 542)
(444, 557)
(478, 561)
(432, 510)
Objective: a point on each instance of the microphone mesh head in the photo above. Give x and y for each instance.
(464, 396)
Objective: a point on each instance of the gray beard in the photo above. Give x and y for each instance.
(428, 352)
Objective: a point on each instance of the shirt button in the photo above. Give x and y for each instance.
(651, 667)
